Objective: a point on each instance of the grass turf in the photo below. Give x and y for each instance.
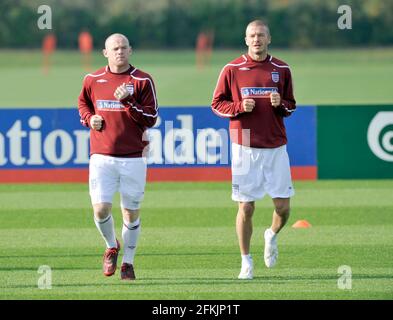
(350, 76)
(188, 247)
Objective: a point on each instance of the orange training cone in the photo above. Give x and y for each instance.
(301, 224)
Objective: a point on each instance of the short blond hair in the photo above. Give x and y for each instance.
(258, 22)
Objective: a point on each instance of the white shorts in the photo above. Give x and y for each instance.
(107, 175)
(257, 171)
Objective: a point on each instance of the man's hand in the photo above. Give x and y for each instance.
(96, 122)
(248, 105)
(121, 92)
(275, 99)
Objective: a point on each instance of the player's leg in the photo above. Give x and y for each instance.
(246, 188)
(104, 222)
(130, 233)
(244, 233)
(103, 184)
(279, 186)
(132, 185)
(244, 225)
(279, 219)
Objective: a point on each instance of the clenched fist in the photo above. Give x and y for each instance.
(96, 122)
(121, 92)
(248, 105)
(275, 99)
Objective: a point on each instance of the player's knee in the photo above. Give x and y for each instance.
(130, 215)
(247, 209)
(283, 210)
(102, 210)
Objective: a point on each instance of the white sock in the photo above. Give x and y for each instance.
(107, 230)
(246, 260)
(130, 233)
(271, 233)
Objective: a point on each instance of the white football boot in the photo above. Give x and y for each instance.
(271, 250)
(246, 272)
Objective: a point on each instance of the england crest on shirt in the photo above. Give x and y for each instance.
(275, 77)
(130, 88)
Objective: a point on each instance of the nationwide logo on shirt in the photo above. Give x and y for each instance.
(257, 92)
(110, 105)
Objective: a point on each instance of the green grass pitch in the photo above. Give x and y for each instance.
(351, 76)
(188, 247)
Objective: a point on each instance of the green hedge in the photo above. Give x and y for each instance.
(176, 23)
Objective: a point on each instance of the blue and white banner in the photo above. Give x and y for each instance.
(183, 137)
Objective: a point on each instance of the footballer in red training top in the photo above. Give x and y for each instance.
(118, 103)
(255, 92)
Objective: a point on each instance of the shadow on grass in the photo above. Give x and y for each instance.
(151, 282)
(66, 255)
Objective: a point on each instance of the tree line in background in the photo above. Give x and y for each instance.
(176, 23)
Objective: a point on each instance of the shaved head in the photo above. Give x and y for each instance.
(117, 51)
(115, 36)
(258, 23)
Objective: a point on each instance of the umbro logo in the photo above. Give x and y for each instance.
(244, 69)
(102, 80)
